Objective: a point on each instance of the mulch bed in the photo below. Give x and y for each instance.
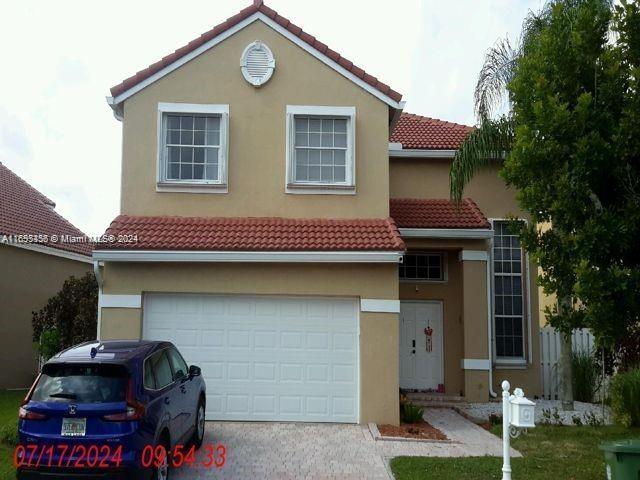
(421, 431)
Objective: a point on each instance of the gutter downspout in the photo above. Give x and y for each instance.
(98, 274)
(490, 316)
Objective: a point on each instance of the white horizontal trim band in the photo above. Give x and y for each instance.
(380, 306)
(55, 252)
(236, 28)
(473, 255)
(120, 301)
(267, 257)
(466, 233)
(475, 364)
(416, 153)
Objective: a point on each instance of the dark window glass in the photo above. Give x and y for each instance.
(178, 364)
(422, 266)
(149, 379)
(81, 383)
(508, 292)
(162, 369)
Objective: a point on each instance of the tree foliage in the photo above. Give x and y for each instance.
(574, 158)
(72, 313)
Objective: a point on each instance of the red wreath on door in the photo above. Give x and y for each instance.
(429, 333)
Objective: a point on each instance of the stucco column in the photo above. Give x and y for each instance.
(476, 361)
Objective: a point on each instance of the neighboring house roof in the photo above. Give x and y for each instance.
(436, 213)
(254, 234)
(257, 7)
(424, 133)
(26, 211)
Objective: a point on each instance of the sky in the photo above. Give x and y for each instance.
(58, 133)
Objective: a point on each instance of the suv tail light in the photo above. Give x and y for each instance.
(135, 409)
(25, 414)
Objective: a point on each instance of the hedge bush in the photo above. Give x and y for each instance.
(586, 376)
(625, 397)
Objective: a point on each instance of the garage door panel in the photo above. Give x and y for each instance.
(265, 358)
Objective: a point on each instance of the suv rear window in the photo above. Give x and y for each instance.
(80, 383)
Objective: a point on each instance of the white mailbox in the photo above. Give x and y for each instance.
(522, 410)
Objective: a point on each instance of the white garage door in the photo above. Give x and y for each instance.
(265, 358)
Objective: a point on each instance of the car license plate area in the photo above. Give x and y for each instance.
(74, 427)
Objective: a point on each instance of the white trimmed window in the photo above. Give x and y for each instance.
(192, 147)
(321, 149)
(509, 294)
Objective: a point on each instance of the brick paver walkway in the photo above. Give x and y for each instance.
(284, 451)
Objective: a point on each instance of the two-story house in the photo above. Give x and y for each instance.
(287, 226)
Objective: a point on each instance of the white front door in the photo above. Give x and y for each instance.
(265, 358)
(421, 355)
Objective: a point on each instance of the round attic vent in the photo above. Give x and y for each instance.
(257, 63)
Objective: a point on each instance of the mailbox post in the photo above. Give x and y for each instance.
(517, 411)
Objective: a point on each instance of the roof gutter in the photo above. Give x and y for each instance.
(116, 107)
(457, 233)
(396, 151)
(258, 257)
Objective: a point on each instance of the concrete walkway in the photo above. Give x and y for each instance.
(328, 451)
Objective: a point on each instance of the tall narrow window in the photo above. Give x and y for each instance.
(508, 267)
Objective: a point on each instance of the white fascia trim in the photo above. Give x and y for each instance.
(379, 306)
(394, 152)
(236, 28)
(465, 233)
(55, 252)
(473, 255)
(475, 364)
(259, 257)
(120, 301)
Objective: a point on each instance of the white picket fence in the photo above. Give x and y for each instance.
(582, 340)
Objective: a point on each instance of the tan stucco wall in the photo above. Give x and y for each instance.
(27, 281)
(379, 367)
(429, 178)
(475, 326)
(378, 331)
(257, 135)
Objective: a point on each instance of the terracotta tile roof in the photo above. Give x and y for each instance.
(418, 132)
(257, 6)
(25, 211)
(255, 234)
(432, 213)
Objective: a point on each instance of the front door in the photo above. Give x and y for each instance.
(421, 345)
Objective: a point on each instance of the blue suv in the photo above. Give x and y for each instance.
(103, 409)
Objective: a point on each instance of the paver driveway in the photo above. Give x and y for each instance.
(257, 451)
(290, 451)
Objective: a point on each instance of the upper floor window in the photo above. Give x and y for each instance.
(320, 150)
(423, 267)
(509, 298)
(193, 146)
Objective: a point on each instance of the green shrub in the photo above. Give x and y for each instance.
(9, 434)
(410, 413)
(625, 398)
(586, 376)
(50, 343)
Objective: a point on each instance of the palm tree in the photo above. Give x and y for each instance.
(492, 140)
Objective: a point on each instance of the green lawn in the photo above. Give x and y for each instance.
(9, 403)
(567, 453)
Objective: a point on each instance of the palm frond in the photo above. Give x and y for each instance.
(496, 73)
(486, 145)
